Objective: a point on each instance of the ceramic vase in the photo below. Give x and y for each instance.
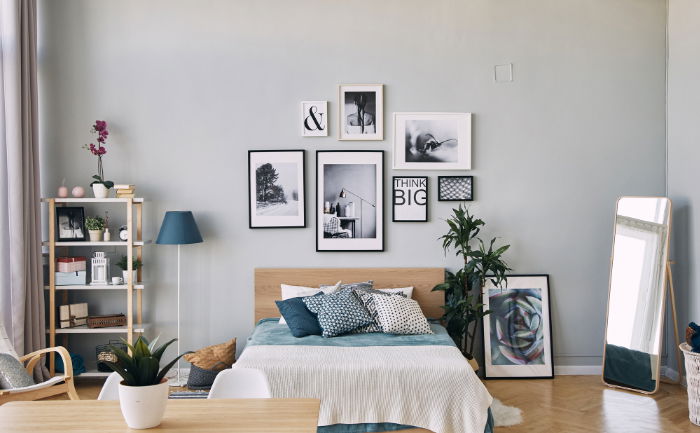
(143, 406)
(95, 235)
(99, 190)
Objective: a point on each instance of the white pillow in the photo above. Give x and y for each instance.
(399, 315)
(289, 292)
(408, 291)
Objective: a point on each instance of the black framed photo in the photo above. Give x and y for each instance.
(455, 188)
(349, 200)
(276, 192)
(410, 199)
(70, 224)
(518, 332)
(361, 112)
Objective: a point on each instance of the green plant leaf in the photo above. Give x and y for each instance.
(128, 377)
(165, 369)
(158, 354)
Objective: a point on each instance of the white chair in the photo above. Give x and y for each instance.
(110, 390)
(240, 383)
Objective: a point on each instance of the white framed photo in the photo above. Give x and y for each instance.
(432, 141)
(361, 112)
(276, 192)
(349, 200)
(314, 118)
(409, 199)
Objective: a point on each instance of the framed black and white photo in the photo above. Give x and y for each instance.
(410, 199)
(361, 112)
(455, 188)
(276, 188)
(314, 118)
(70, 223)
(432, 141)
(349, 200)
(518, 331)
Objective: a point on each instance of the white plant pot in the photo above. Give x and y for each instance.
(100, 190)
(143, 406)
(125, 276)
(95, 235)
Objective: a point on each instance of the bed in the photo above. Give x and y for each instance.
(369, 382)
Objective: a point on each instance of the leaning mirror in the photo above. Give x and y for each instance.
(637, 292)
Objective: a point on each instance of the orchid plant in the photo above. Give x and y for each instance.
(99, 128)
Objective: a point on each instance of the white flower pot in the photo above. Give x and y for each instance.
(100, 190)
(95, 235)
(125, 276)
(143, 406)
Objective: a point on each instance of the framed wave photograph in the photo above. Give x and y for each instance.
(349, 200)
(455, 188)
(432, 141)
(361, 112)
(276, 192)
(518, 331)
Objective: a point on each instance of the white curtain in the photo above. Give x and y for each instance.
(21, 286)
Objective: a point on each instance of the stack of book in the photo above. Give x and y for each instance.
(124, 191)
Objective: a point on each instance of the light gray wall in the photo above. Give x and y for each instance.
(188, 87)
(684, 152)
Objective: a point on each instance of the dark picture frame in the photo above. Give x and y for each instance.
(407, 197)
(70, 219)
(449, 188)
(282, 208)
(532, 357)
(353, 179)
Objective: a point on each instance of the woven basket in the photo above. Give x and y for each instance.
(692, 372)
(200, 378)
(108, 321)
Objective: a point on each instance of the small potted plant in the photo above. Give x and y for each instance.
(143, 394)
(95, 225)
(124, 265)
(100, 186)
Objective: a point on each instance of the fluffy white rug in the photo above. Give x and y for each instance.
(505, 416)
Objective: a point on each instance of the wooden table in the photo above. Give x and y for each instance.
(216, 415)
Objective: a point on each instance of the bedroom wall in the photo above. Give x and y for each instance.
(188, 87)
(683, 153)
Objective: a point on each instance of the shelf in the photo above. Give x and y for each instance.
(93, 200)
(137, 286)
(94, 373)
(95, 244)
(113, 330)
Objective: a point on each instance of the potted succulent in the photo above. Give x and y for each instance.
(100, 186)
(124, 265)
(95, 226)
(143, 394)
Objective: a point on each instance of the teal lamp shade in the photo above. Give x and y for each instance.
(179, 228)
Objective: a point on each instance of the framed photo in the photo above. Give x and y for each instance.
(361, 112)
(314, 118)
(349, 200)
(70, 224)
(518, 332)
(455, 188)
(276, 193)
(432, 141)
(409, 199)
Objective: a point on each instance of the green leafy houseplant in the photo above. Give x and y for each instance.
(140, 368)
(124, 263)
(464, 307)
(94, 223)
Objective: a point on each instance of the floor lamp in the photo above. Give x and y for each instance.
(178, 228)
(343, 194)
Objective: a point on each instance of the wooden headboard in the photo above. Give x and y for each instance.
(268, 280)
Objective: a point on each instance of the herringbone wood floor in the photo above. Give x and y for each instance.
(571, 404)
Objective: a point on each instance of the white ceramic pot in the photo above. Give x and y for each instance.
(95, 235)
(143, 406)
(125, 276)
(100, 190)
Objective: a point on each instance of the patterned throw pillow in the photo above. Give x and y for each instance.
(12, 373)
(365, 296)
(398, 315)
(339, 312)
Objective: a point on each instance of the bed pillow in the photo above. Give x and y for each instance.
(351, 286)
(339, 312)
(289, 292)
(12, 373)
(300, 320)
(399, 315)
(365, 297)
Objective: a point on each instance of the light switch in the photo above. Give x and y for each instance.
(503, 73)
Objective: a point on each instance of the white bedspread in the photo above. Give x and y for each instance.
(431, 387)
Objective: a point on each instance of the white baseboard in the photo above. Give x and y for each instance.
(578, 370)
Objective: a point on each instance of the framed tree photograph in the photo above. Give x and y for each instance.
(518, 332)
(349, 200)
(455, 188)
(314, 118)
(409, 199)
(70, 224)
(276, 192)
(432, 141)
(361, 112)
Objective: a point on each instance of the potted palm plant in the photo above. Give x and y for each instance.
(143, 393)
(124, 266)
(464, 309)
(95, 226)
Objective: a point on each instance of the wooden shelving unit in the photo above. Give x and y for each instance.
(134, 249)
